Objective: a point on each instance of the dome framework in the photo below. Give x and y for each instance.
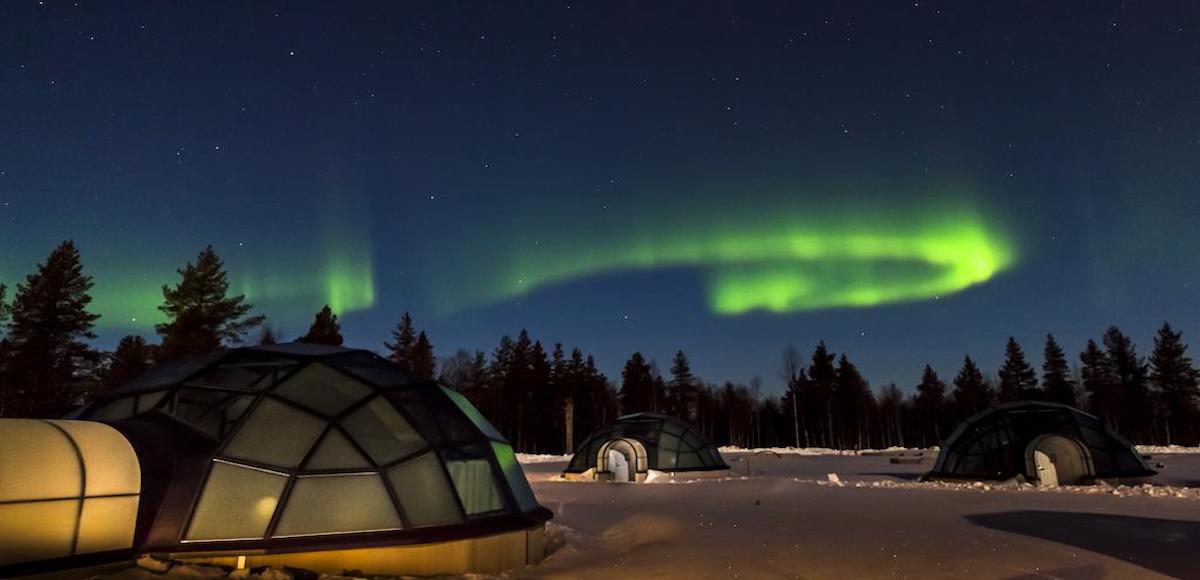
(1040, 441)
(295, 448)
(646, 441)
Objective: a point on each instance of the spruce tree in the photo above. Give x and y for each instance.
(404, 338)
(822, 376)
(681, 390)
(1178, 384)
(930, 403)
(424, 364)
(637, 385)
(132, 357)
(1018, 381)
(970, 390)
(201, 316)
(1100, 384)
(324, 330)
(854, 404)
(49, 324)
(1130, 370)
(1057, 384)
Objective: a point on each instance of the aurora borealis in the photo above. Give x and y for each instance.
(774, 262)
(908, 182)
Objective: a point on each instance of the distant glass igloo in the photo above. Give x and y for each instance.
(637, 443)
(320, 457)
(1049, 443)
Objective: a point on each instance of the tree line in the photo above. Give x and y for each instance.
(549, 400)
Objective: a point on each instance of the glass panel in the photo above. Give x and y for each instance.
(147, 401)
(689, 461)
(275, 434)
(237, 503)
(674, 428)
(374, 369)
(244, 370)
(336, 452)
(214, 412)
(323, 389)
(424, 492)
(170, 373)
(515, 477)
(382, 431)
(667, 459)
(107, 523)
(37, 530)
(668, 442)
(114, 410)
(434, 415)
(474, 481)
(336, 504)
(474, 415)
(692, 439)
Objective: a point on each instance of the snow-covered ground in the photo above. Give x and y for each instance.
(804, 514)
(782, 517)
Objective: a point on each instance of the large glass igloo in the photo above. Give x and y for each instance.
(1045, 442)
(296, 447)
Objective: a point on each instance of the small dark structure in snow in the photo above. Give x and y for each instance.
(640, 442)
(298, 455)
(1049, 443)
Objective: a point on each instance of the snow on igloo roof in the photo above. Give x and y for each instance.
(671, 443)
(310, 440)
(992, 443)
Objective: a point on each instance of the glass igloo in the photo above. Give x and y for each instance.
(299, 447)
(637, 443)
(1049, 443)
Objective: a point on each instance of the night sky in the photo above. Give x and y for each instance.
(907, 181)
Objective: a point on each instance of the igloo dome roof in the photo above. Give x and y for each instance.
(671, 444)
(993, 443)
(291, 446)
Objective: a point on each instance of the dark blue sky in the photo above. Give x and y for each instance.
(384, 155)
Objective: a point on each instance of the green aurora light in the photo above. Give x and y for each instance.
(779, 262)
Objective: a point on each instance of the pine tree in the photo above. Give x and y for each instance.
(970, 390)
(1057, 383)
(1101, 385)
(48, 357)
(1130, 372)
(891, 416)
(637, 385)
(324, 330)
(131, 359)
(4, 307)
(681, 390)
(422, 361)
(930, 405)
(1018, 381)
(822, 376)
(404, 338)
(1178, 384)
(854, 405)
(200, 315)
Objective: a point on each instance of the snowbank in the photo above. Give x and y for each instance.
(536, 458)
(1166, 449)
(823, 450)
(1143, 490)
